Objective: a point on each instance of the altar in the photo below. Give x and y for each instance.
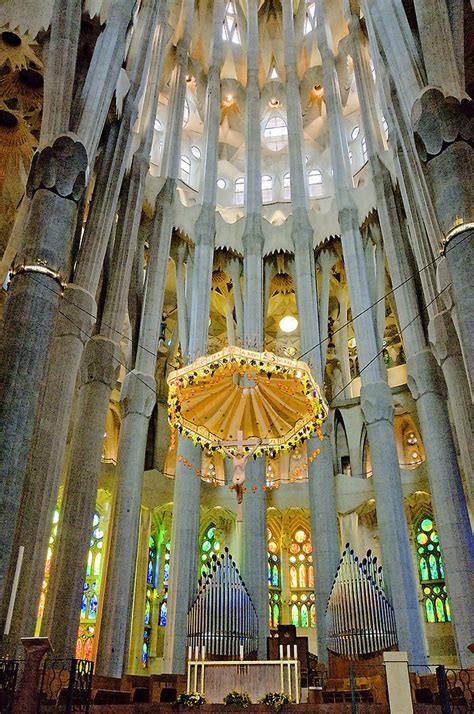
(216, 678)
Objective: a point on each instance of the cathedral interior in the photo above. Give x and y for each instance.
(182, 180)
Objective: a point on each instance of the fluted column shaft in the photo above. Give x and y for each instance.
(254, 517)
(72, 331)
(60, 69)
(322, 490)
(186, 501)
(74, 529)
(376, 399)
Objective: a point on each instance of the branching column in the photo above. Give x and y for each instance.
(138, 397)
(322, 489)
(254, 523)
(35, 292)
(76, 317)
(186, 501)
(100, 366)
(376, 398)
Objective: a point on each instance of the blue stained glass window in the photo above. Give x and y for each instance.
(166, 574)
(84, 606)
(93, 607)
(147, 612)
(163, 614)
(275, 577)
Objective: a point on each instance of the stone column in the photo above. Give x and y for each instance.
(322, 490)
(443, 135)
(439, 57)
(186, 502)
(254, 521)
(376, 398)
(73, 533)
(55, 185)
(139, 595)
(138, 398)
(60, 69)
(77, 315)
(97, 378)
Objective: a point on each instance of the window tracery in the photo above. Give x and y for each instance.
(209, 546)
(315, 183)
(267, 189)
(275, 133)
(151, 582)
(230, 29)
(239, 191)
(185, 169)
(431, 573)
(310, 22)
(301, 573)
(274, 579)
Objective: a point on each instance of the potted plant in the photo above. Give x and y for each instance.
(275, 700)
(189, 701)
(237, 699)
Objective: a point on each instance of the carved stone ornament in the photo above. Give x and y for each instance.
(376, 403)
(138, 395)
(60, 167)
(424, 375)
(438, 120)
(100, 362)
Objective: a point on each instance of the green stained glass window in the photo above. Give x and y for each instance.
(430, 566)
(274, 581)
(301, 576)
(430, 616)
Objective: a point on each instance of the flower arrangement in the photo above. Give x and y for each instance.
(190, 701)
(274, 700)
(240, 699)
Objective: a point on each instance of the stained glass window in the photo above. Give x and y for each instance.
(274, 579)
(431, 572)
(301, 571)
(151, 581)
(209, 546)
(91, 590)
(165, 582)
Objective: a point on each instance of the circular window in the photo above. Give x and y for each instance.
(196, 152)
(355, 132)
(300, 536)
(221, 183)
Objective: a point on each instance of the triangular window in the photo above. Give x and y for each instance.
(274, 74)
(230, 31)
(310, 20)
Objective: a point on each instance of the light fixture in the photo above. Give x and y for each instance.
(274, 102)
(351, 343)
(288, 323)
(229, 98)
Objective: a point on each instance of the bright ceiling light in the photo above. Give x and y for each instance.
(288, 323)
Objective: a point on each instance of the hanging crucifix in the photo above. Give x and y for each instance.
(239, 460)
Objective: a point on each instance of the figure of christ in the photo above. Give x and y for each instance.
(239, 460)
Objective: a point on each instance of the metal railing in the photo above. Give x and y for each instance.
(66, 684)
(8, 680)
(450, 689)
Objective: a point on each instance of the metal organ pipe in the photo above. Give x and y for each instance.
(359, 618)
(222, 616)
